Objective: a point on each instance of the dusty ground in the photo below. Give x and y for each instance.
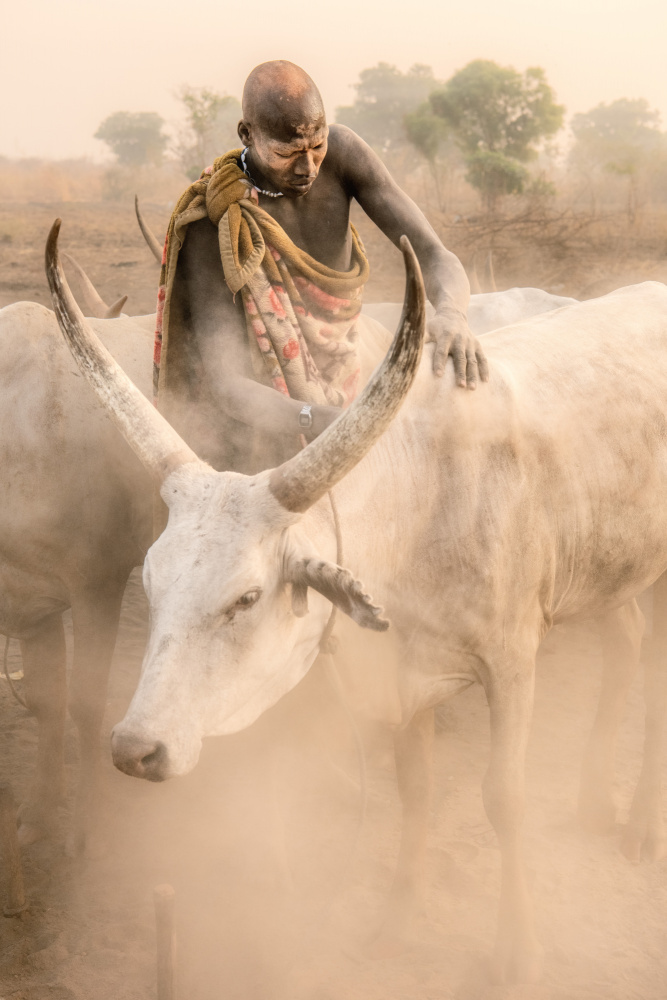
(249, 931)
(244, 933)
(106, 241)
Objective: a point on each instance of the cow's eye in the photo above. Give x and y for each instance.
(248, 599)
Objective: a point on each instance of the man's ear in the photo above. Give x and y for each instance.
(243, 131)
(338, 586)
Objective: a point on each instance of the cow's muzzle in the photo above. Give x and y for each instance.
(139, 758)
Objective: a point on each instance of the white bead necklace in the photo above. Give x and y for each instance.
(269, 194)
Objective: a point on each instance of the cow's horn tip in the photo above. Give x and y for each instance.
(407, 250)
(52, 240)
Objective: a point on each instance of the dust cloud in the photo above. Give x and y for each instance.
(273, 897)
(280, 891)
(282, 843)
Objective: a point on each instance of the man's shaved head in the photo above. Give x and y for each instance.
(280, 99)
(283, 128)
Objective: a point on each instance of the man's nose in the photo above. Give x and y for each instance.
(138, 757)
(305, 165)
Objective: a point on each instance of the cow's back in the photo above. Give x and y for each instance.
(552, 475)
(72, 494)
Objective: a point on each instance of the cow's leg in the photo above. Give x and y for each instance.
(45, 686)
(95, 617)
(645, 833)
(518, 954)
(413, 751)
(621, 635)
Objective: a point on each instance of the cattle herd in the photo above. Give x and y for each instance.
(477, 522)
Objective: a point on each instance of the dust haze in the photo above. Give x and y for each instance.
(282, 843)
(66, 68)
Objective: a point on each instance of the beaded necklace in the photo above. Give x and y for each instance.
(244, 167)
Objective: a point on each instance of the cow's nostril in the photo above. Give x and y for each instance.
(147, 759)
(154, 764)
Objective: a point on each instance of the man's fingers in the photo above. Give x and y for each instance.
(440, 355)
(471, 370)
(469, 362)
(460, 364)
(482, 364)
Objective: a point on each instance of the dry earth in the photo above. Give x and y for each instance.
(106, 241)
(259, 923)
(252, 929)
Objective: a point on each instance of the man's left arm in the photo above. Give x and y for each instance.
(447, 287)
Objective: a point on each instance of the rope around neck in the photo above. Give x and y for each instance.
(244, 167)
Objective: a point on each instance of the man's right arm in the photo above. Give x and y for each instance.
(219, 326)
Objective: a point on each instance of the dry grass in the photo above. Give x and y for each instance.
(568, 253)
(47, 181)
(552, 246)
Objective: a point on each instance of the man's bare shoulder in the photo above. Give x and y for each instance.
(349, 154)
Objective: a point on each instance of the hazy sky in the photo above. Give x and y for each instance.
(66, 64)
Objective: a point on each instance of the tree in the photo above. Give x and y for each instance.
(499, 118)
(385, 96)
(212, 120)
(134, 137)
(430, 136)
(495, 175)
(621, 138)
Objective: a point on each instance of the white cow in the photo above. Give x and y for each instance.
(479, 519)
(487, 310)
(75, 519)
(70, 536)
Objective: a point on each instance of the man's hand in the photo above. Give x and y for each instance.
(451, 334)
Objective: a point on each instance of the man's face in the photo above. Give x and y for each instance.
(290, 162)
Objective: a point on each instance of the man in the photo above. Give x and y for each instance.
(264, 293)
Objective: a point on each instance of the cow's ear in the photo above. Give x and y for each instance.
(338, 586)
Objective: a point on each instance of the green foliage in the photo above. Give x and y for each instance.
(211, 123)
(496, 109)
(426, 131)
(432, 140)
(385, 96)
(135, 138)
(539, 189)
(618, 136)
(621, 138)
(499, 117)
(495, 174)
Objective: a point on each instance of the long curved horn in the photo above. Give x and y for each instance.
(301, 481)
(149, 435)
(153, 244)
(93, 302)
